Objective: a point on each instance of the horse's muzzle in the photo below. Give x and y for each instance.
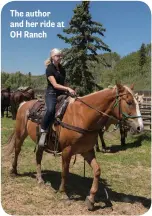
(135, 128)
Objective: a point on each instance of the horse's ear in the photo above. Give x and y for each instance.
(119, 87)
(132, 86)
(143, 95)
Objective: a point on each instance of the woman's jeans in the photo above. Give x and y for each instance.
(50, 100)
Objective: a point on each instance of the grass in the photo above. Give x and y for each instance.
(125, 173)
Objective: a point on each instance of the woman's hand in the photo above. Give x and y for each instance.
(71, 91)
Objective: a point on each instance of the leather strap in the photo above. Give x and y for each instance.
(74, 128)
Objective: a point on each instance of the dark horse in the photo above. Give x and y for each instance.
(5, 100)
(18, 97)
(89, 113)
(123, 134)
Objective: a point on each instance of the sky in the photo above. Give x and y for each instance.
(127, 27)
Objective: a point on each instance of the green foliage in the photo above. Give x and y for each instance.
(15, 80)
(84, 46)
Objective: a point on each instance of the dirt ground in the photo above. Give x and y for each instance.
(23, 196)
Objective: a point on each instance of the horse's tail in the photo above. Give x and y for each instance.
(10, 145)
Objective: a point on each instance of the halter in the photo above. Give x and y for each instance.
(124, 114)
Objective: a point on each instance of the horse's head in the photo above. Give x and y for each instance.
(139, 98)
(127, 108)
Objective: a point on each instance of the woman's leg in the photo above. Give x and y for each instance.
(48, 117)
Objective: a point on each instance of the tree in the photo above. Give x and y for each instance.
(4, 77)
(142, 55)
(84, 47)
(18, 77)
(29, 79)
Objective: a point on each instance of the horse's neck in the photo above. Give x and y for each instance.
(100, 100)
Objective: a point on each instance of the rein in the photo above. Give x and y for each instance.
(84, 131)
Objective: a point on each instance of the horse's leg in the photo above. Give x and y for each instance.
(18, 138)
(66, 157)
(18, 141)
(2, 113)
(97, 146)
(90, 158)
(102, 141)
(39, 154)
(122, 134)
(13, 110)
(7, 111)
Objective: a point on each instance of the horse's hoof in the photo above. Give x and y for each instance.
(40, 181)
(89, 204)
(64, 197)
(103, 150)
(97, 150)
(48, 184)
(13, 173)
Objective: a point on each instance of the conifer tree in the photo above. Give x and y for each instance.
(142, 55)
(29, 78)
(84, 46)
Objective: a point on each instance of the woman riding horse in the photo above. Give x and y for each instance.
(55, 78)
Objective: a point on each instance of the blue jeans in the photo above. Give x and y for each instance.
(50, 100)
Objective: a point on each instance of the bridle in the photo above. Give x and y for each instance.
(117, 103)
(124, 115)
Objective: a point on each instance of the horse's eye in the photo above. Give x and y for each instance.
(129, 102)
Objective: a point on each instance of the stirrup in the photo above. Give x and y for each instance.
(42, 139)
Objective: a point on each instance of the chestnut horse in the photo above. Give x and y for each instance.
(88, 113)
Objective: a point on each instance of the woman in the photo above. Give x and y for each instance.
(55, 78)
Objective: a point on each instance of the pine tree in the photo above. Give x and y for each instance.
(84, 47)
(29, 78)
(142, 55)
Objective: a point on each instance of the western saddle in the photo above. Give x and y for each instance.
(36, 114)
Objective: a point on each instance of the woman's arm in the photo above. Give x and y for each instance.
(58, 86)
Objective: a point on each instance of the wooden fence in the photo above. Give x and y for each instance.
(145, 109)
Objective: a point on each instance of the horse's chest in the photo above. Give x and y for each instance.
(81, 143)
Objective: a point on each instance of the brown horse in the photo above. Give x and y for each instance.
(28, 93)
(5, 101)
(18, 97)
(88, 112)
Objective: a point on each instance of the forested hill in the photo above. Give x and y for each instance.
(133, 68)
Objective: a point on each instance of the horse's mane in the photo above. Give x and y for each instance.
(97, 92)
(105, 89)
(129, 89)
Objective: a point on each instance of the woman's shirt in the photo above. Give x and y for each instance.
(59, 76)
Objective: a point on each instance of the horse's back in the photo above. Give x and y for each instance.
(25, 106)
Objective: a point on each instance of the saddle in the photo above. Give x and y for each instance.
(37, 112)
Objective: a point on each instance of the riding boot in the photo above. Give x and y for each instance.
(42, 139)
